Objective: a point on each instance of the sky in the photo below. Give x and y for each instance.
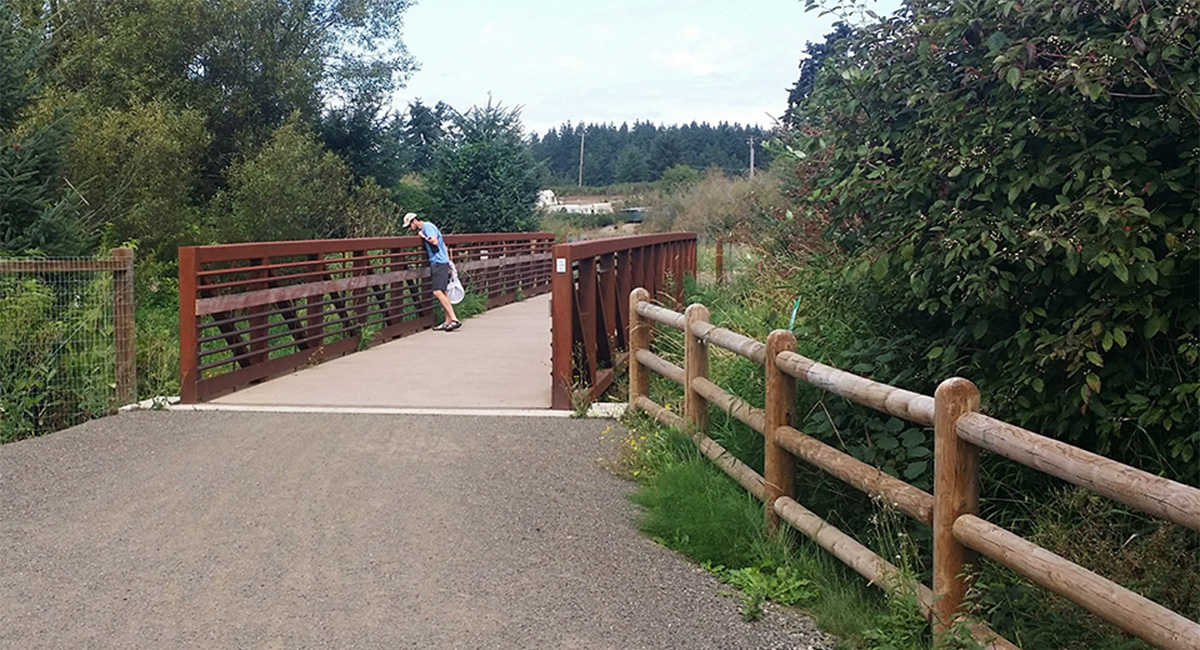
(663, 61)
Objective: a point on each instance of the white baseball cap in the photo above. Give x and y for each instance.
(409, 217)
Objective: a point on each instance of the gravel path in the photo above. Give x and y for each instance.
(241, 530)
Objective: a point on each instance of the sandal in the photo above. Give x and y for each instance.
(453, 325)
(441, 327)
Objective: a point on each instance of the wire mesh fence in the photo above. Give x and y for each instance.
(62, 350)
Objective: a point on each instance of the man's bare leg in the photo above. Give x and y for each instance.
(446, 306)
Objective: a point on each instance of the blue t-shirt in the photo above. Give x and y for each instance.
(437, 255)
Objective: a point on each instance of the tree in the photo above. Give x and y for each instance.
(632, 165)
(244, 65)
(292, 189)
(38, 212)
(137, 169)
(368, 140)
(810, 65)
(485, 178)
(423, 131)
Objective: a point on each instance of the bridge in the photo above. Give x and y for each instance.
(415, 495)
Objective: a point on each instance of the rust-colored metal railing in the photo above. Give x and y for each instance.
(590, 304)
(252, 311)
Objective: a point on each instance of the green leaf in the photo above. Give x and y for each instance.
(880, 269)
(1119, 336)
(1121, 271)
(1154, 325)
(915, 469)
(1093, 382)
(1095, 358)
(955, 171)
(1013, 76)
(935, 353)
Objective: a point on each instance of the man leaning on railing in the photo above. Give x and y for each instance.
(439, 266)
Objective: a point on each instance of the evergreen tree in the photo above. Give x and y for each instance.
(632, 165)
(423, 131)
(485, 178)
(37, 211)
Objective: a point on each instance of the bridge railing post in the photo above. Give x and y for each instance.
(562, 305)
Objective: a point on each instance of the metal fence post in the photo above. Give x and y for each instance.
(561, 327)
(189, 347)
(955, 493)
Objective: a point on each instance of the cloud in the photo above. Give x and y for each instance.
(693, 63)
(572, 64)
(695, 52)
(496, 34)
(601, 32)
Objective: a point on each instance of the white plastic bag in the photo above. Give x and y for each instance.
(454, 290)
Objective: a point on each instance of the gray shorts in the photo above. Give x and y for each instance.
(441, 276)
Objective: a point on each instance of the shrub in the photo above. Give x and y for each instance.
(1016, 183)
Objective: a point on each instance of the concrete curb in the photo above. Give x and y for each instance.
(609, 410)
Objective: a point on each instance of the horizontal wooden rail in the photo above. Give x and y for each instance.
(252, 311)
(901, 403)
(1135, 614)
(912, 501)
(960, 432)
(752, 417)
(61, 265)
(1158, 496)
(660, 365)
(592, 281)
(732, 341)
(659, 412)
(661, 315)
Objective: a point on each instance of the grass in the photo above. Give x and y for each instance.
(690, 506)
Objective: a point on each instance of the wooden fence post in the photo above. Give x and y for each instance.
(639, 339)
(955, 493)
(779, 466)
(695, 364)
(124, 327)
(720, 268)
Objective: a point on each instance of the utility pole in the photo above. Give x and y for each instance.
(751, 156)
(582, 137)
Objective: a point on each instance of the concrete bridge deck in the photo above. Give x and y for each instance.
(498, 360)
(265, 530)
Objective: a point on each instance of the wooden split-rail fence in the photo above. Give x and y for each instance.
(960, 432)
(248, 312)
